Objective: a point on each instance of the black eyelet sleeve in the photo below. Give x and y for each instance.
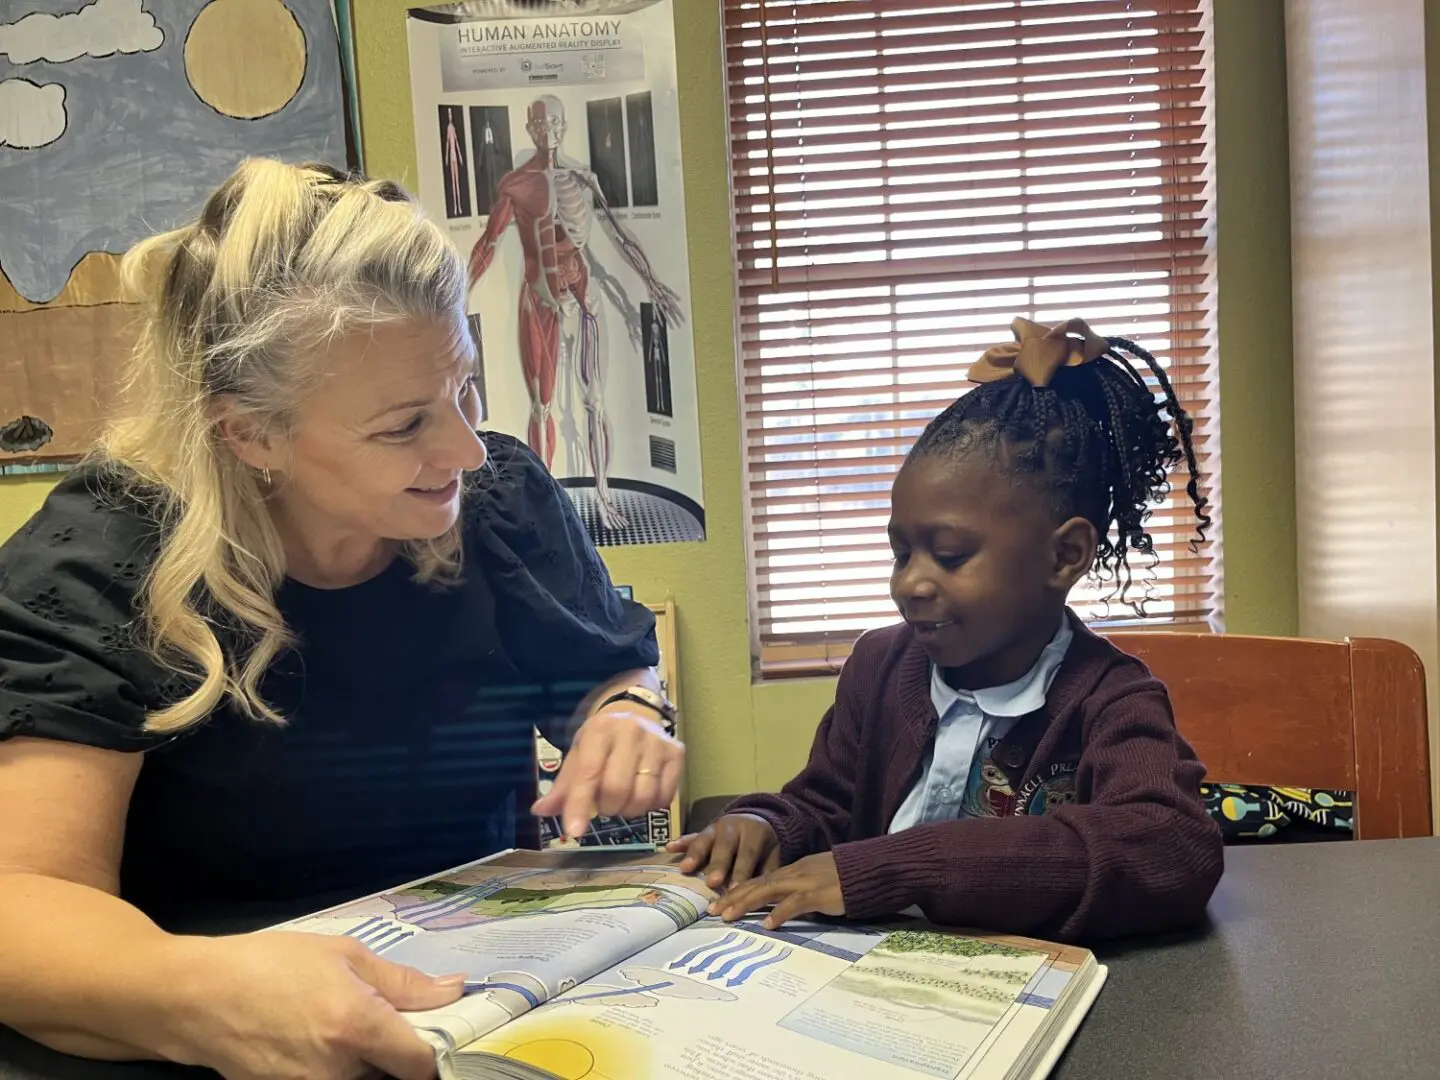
(72, 666)
(562, 621)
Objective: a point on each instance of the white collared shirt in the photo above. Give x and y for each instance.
(972, 723)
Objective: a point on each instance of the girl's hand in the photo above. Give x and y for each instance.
(280, 1004)
(808, 885)
(730, 851)
(621, 764)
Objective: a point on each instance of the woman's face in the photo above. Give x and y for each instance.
(379, 449)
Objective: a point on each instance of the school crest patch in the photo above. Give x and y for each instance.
(1047, 791)
(989, 791)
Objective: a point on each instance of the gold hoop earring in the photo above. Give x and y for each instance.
(266, 474)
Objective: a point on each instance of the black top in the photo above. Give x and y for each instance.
(410, 707)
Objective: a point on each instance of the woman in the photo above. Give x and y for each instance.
(284, 640)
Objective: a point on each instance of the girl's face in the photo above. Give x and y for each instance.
(981, 570)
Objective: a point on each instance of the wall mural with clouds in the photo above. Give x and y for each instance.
(117, 117)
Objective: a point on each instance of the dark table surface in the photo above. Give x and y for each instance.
(1321, 960)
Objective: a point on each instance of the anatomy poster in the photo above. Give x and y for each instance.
(549, 149)
(117, 118)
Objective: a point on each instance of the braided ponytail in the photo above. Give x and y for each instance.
(1096, 440)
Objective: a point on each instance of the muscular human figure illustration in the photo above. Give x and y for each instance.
(454, 159)
(553, 204)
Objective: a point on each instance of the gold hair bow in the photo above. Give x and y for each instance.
(1037, 352)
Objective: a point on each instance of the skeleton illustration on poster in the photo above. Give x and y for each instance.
(548, 139)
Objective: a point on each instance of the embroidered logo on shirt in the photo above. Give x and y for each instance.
(988, 791)
(1048, 791)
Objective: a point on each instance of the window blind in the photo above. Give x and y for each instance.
(907, 177)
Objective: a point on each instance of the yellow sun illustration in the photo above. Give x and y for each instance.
(568, 1047)
(560, 1057)
(245, 58)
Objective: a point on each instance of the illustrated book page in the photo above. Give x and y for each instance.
(523, 927)
(810, 1001)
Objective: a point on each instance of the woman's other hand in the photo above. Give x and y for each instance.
(279, 1004)
(730, 851)
(620, 764)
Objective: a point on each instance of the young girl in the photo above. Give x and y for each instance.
(990, 760)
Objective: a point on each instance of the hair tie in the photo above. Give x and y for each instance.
(1037, 352)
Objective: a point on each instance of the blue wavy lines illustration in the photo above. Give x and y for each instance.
(733, 958)
(693, 953)
(701, 959)
(378, 934)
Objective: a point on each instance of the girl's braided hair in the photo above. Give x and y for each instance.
(1069, 411)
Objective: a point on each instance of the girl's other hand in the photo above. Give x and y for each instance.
(730, 851)
(807, 886)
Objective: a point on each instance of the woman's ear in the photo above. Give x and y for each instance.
(247, 438)
(1073, 545)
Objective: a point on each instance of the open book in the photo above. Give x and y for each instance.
(594, 965)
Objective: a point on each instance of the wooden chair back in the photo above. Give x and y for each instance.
(1290, 712)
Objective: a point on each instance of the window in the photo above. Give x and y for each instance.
(908, 176)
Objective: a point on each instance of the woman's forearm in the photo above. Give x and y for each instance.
(84, 972)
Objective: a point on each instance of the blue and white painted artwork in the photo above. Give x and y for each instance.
(118, 117)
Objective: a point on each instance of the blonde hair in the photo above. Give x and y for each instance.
(239, 305)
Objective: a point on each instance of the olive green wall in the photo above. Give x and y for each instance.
(741, 735)
(20, 496)
(1257, 405)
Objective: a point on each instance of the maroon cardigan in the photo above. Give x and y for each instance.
(1132, 850)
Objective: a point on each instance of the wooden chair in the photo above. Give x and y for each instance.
(1290, 712)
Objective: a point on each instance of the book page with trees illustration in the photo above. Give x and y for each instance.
(809, 1001)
